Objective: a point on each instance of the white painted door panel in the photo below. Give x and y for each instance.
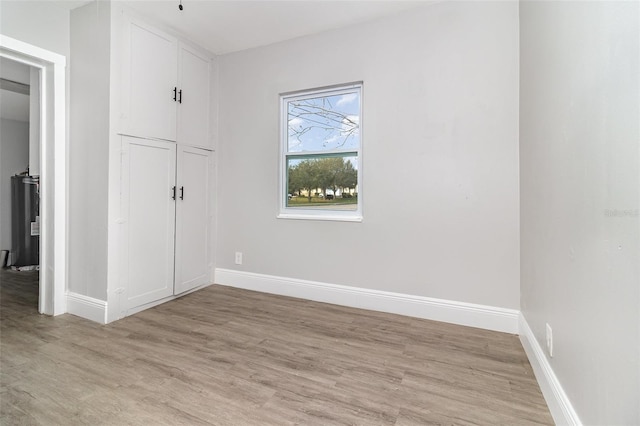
(193, 110)
(150, 75)
(148, 181)
(192, 219)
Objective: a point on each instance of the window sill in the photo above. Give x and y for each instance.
(325, 217)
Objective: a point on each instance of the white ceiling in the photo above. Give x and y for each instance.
(223, 26)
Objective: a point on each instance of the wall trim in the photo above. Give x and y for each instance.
(87, 307)
(136, 309)
(461, 313)
(557, 400)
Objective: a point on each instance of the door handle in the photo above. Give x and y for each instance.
(173, 197)
(182, 192)
(175, 93)
(180, 96)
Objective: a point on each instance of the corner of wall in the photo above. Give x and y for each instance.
(87, 307)
(559, 404)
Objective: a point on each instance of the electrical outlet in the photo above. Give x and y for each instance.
(238, 258)
(549, 340)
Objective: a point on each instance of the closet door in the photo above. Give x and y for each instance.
(194, 97)
(149, 77)
(149, 175)
(192, 218)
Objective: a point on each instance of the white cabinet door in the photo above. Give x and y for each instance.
(149, 174)
(149, 78)
(194, 94)
(192, 218)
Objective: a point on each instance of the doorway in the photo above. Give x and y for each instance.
(19, 178)
(49, 69)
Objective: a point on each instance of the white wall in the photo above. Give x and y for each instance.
(14, 106)
(580, 177)
(14, 158)
(41, 23)
(89, 149)
(440, 156)
(14, 71)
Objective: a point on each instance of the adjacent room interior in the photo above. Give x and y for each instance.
(19, 180)
(323, 213)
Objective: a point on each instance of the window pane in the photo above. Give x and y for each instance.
(324, 123)
(328, 182)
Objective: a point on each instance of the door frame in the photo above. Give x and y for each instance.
(53, 169)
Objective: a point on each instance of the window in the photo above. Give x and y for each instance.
(321, 158)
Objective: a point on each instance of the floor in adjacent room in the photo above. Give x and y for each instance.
(225, 356)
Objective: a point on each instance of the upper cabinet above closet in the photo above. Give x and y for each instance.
(193, 97)
(165, 87)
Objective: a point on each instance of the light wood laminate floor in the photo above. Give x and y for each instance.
(225, 356)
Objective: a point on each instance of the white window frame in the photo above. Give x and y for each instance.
(317, 214)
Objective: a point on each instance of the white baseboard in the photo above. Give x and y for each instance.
(559, 404)
(468, 314)
(135, 310)
(87, 307)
